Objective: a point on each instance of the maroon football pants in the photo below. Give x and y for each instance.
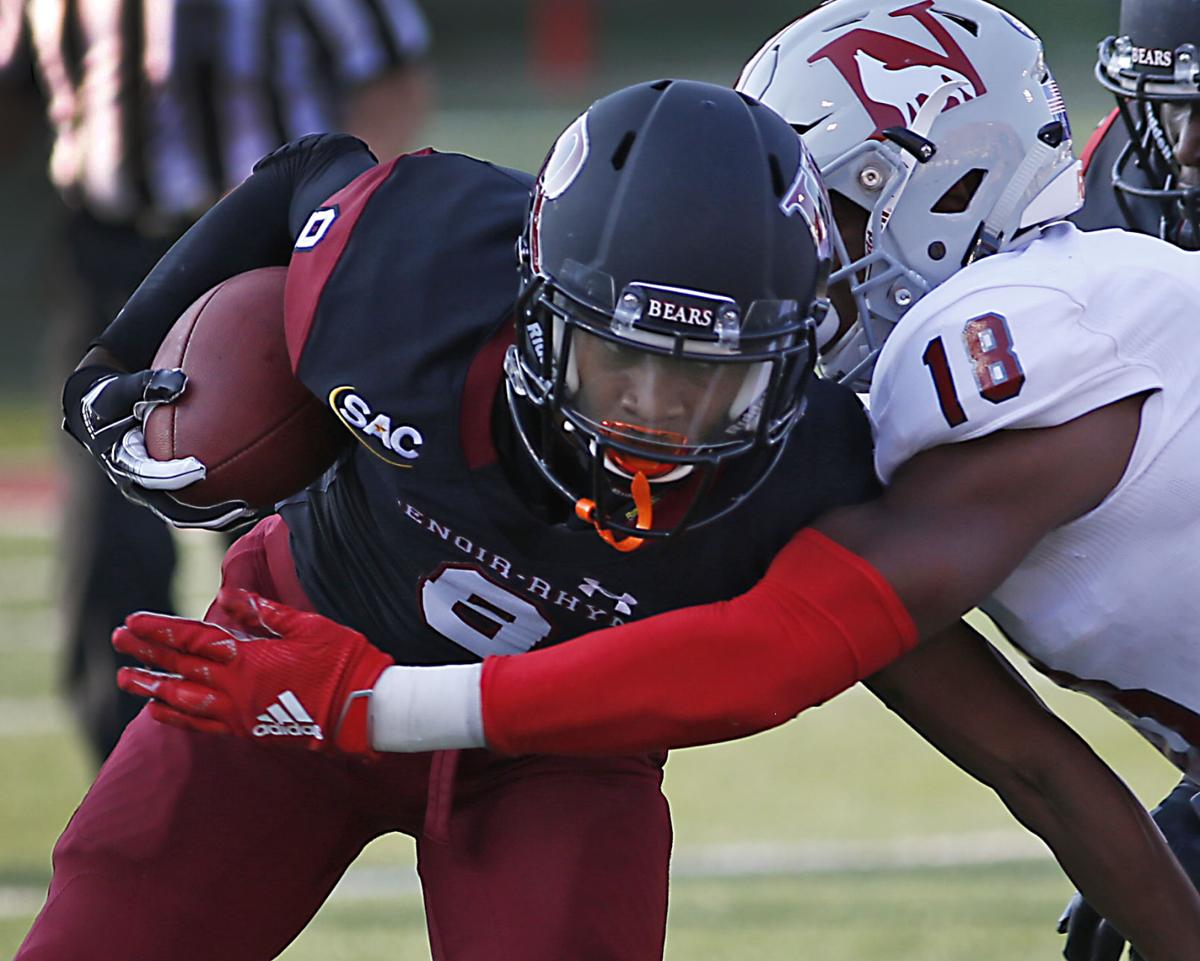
(195, 846)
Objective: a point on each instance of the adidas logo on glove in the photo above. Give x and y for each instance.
(287, 717)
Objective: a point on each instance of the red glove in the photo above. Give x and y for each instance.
(292, 677)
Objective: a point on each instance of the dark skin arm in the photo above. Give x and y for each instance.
(956, 520)
(954, 523)
(969, 703)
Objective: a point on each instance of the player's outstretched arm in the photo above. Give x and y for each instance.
(822, 618)
(782, 660)
(955, 522)
(967, 702)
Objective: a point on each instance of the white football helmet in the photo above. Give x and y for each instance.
(899, 104)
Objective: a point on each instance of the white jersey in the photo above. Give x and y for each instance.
(1109, 603)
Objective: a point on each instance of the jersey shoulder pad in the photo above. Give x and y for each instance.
(433, 231)
(974, 358)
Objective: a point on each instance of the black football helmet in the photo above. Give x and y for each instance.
(673, 260)
(1153, 68)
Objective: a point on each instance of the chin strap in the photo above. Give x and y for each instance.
(585, 510)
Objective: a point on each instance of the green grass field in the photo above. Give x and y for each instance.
(841, 834)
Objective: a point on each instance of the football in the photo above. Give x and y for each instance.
(259, 432)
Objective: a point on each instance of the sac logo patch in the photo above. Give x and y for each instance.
(398, 444)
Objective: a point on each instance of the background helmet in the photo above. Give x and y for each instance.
(1151, 65)
(674, 255)
(901, 103)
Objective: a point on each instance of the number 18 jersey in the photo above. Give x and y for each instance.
(1109, 603)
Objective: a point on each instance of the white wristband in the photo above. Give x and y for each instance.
(427, 708)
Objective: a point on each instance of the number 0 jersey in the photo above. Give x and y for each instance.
(1109, 603)
(399, 306)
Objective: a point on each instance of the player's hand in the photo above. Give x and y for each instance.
(149, 482)
(104, 409)
(282, 677)
(1089, 936)
(101, 405)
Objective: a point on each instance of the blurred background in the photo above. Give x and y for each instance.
(508, 76)
(840, 834)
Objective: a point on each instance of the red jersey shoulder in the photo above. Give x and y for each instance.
(319, 248)
(1095, 140)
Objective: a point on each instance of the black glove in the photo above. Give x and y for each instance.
(104, 410)
(1089, 936)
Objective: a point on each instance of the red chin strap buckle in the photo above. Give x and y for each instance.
(585, 510)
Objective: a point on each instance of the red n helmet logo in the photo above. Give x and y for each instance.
(892, 77)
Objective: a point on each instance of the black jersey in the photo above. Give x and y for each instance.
(1100, 207)
(400, 294)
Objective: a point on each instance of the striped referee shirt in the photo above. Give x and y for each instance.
(160, 106)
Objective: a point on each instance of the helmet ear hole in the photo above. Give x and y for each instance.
(958, 198)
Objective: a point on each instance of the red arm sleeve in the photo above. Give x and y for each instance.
(820, 620)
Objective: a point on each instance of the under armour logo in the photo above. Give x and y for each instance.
(624, 602)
